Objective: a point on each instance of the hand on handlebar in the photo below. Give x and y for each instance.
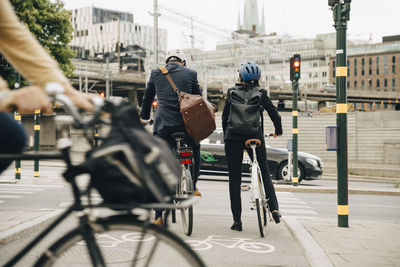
(81, 100)
(145, 122)
(26, 101)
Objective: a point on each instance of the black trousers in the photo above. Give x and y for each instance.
(12, 138)
(165, 133)
(234, 155)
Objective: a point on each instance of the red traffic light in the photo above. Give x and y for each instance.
(295, 67)
(102, 94)
(155, 103)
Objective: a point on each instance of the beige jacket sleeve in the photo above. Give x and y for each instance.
(24, 52)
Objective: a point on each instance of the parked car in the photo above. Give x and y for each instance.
(213, 160)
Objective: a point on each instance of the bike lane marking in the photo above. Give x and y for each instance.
(240, 243)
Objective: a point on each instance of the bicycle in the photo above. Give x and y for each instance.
(123, 238)
(257, 193)
(185, 183)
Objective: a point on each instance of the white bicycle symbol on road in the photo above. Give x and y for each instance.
(240, 243)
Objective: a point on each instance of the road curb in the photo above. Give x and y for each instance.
(314, 252)
(15, 232)
(334, 191)
(313, 189)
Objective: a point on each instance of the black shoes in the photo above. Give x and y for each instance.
(277, 216)
(237, 226)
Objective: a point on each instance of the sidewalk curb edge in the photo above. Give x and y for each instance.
(15, 232)
(314, 252)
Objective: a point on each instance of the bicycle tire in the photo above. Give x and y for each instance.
(173, 215)
(260, 216)
(118, 237)
(262, 195)
(187, 213)
(265, 215)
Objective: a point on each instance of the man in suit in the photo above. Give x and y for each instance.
(168, 118)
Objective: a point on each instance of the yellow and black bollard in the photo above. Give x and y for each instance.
(95, 140)
(17, 117)
(341, 14)
(36, 140)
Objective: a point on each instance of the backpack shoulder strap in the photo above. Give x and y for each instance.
(169, 78)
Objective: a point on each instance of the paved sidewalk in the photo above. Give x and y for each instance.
(364, 243)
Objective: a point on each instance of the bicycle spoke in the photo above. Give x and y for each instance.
(123, 244)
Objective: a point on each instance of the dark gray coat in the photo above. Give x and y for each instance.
(168, 113)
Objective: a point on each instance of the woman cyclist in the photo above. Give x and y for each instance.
(249, 75)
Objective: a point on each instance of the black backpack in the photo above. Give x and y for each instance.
(131, 165)
(245, 111)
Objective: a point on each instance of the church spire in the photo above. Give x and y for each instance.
(251, 20)
(239, 25)
(262, 26)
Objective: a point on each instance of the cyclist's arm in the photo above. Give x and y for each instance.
(148, 98)
(24, 52)
(273, 113)
(225, 112)
(196, 87)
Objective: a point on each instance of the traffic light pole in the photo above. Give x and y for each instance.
(295, 87)
(341, 14)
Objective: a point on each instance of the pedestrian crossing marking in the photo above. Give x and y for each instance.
(295, 207)
(291, 205)
(10, 196)
(291, 201)
(297, 211)
(16, 192)
(31, 185)
(22, 189)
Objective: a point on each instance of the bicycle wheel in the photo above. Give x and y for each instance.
(122, 243)
(262, 195)
(260, 216)
(187, 213)
(173, 215)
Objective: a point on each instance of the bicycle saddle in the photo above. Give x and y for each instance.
(178, 135)
(249, 142)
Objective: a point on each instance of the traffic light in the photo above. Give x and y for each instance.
(295, 67)
(102, 94)
(155, 104)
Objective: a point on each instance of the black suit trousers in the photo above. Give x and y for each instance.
(165, 133)
(234, 155)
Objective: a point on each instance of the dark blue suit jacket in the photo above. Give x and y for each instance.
(168, 113)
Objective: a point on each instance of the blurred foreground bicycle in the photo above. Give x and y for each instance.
(127, 237)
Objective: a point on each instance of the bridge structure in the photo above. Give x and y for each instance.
(95, 76)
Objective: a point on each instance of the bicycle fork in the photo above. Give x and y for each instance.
(89, 237)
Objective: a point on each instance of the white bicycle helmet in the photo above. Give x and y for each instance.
(175, 53)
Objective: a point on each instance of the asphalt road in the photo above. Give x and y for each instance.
(213, 220)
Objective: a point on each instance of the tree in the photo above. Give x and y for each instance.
(51, 25)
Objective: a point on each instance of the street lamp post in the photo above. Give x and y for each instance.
(341, 14)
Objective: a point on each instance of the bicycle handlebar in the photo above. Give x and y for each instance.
(56, 93)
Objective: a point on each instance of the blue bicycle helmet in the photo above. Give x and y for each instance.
(249, 72)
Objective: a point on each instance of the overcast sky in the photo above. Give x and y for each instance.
(299, 18)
